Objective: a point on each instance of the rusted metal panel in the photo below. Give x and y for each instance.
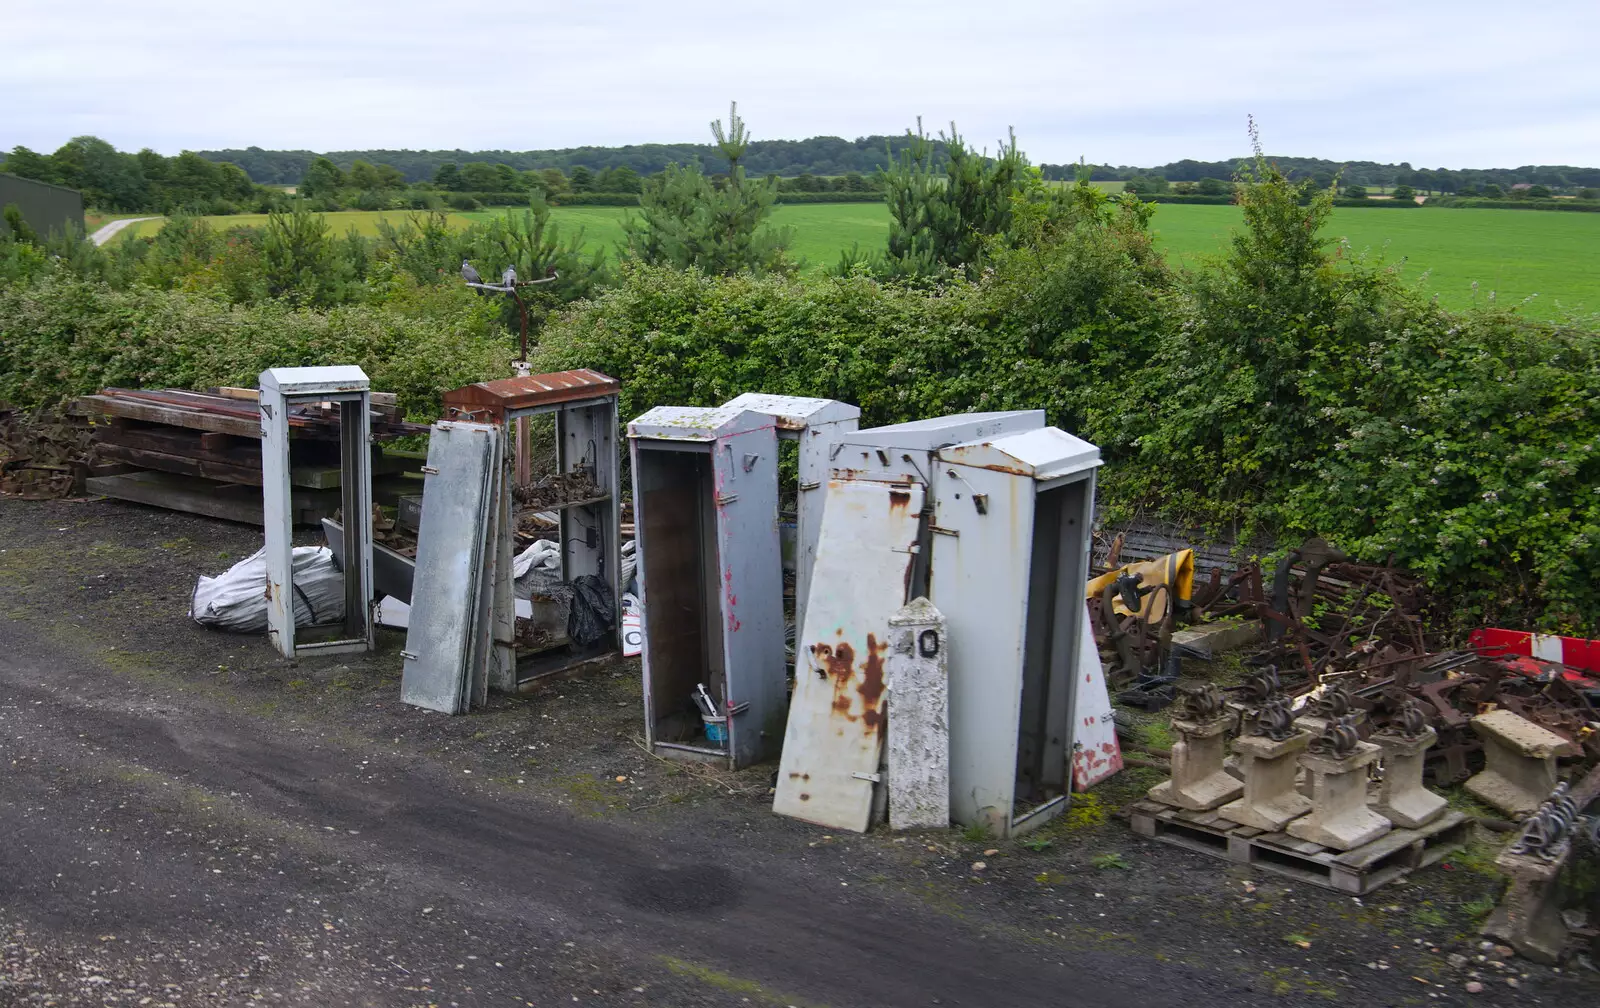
(1096, 754)
(835, 732)
(487, 402)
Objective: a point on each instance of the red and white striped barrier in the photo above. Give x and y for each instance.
(1578, 654)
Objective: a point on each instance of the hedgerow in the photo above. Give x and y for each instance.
(1283, 392)
(62, 336)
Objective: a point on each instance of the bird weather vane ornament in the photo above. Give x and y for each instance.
(508, 285)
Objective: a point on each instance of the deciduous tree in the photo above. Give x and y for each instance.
(323, 178)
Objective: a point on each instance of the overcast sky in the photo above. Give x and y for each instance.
(1440, 84)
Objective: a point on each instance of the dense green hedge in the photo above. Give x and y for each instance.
(1468, 202)
(1185, 198)
(595, 199)
(61, 336)
(632, 199)
(1374, 204)
(521, 199)
(1466, 447)
(830, 197)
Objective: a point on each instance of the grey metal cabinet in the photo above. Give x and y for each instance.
(705, 497)
(1009, 561)
(816, 425)
(281, 389)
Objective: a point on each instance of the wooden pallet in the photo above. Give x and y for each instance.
(1394, 855)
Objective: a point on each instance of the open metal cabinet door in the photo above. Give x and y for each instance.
(834, 737)
(745, 479)
(464, 462)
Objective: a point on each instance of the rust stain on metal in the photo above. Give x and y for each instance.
(493, 398)
(838, 663)
(899, 500)
(872, 687)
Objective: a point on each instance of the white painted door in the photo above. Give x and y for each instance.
(1096, 753)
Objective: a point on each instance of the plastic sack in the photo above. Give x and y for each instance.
(236, 600)
(594, 610)
(537, 570)
(630, 565)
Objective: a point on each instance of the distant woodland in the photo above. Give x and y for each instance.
(833, 156)
(820, 169)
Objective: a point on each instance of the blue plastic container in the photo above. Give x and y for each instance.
(716, 729)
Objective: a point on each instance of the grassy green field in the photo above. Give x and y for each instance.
(1515, 253)
(821, 230)
(364, 221)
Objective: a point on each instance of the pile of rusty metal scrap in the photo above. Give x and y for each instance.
(201, 452)
(1320, 614)
(1340, 634)
(43, 455)
(1362, 630)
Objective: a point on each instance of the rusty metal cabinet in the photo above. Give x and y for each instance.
(705, 497)
(583, 404)
(871, 559)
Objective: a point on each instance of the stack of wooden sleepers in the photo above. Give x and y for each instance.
(201, 451)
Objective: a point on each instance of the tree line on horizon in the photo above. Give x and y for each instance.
(835, 156)
(232, 181)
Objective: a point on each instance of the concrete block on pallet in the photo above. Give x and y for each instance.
(1198, 781)
(1402, 799)
(1529, 915)
(1520, 762)
(1270, 800)
(1339, 816)
(1214, 638)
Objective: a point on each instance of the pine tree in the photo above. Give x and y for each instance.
(686, 220)
(732, 142)
(940, 215)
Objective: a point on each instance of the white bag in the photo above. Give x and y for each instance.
(236, 600)
(537, 569)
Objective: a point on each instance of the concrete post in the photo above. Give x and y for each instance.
(1198, 781)
(1402, 799)
(1269, 766)
(1520, 760)
(919, 718)
(1529, 915)
(1339, 815)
